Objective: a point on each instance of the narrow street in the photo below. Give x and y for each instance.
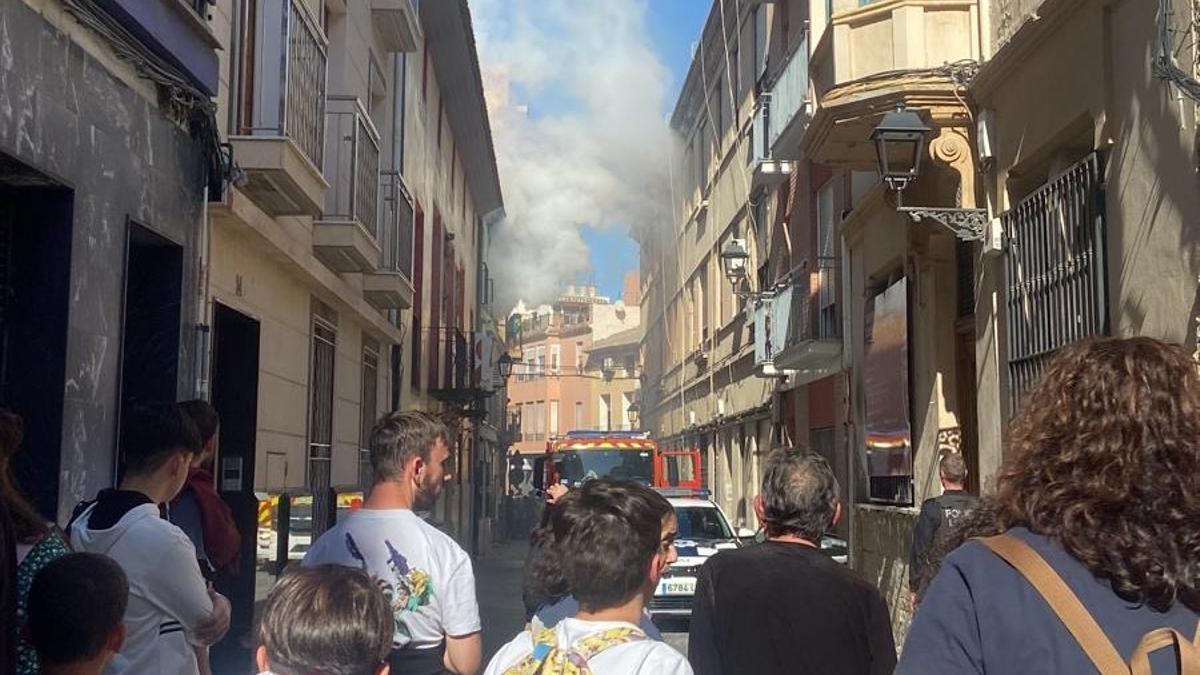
(498, 585)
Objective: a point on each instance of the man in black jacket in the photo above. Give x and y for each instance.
(939, 514)
(783, 606)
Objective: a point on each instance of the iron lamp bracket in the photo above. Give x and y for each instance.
(966, 224)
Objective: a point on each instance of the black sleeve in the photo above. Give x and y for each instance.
(923, 533)
(881, 641)
(702, 637)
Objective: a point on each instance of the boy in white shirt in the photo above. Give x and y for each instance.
(425, 574)
(613, 540)
(173, 616)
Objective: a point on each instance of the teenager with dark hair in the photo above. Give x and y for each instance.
(198, 509)
(612, 540)
(36, 541)
(784, 606)
(76, 612)
(173, 616)
(327, 620)
(424, 572)
(1087, 553)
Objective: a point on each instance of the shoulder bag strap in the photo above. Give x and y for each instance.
(1065, 604)
(1189, 652)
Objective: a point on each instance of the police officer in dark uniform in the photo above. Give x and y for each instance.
(940, 514)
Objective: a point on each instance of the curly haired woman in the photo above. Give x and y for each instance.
(1102, 482)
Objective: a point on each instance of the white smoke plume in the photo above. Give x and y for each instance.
(596, 152)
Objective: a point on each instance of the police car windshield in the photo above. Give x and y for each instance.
(704, 523)
(576, 466)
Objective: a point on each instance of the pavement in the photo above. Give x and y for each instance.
(498, 584)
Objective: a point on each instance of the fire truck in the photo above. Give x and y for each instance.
(580, 456)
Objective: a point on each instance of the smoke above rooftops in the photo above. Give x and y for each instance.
(577, 100)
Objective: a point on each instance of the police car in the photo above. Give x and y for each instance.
(703, 531)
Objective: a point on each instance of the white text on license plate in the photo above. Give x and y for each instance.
(677, 586)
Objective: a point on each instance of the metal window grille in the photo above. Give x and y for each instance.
(1056, 271)
(320, 421)
(369, 411)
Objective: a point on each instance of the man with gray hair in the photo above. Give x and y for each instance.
(783, 606)
(939, 515)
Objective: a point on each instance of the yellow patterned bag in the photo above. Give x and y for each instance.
(548, 659)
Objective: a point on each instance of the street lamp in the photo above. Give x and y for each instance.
(633, 412)
(505, 365)
(735, 258)
(900, 141)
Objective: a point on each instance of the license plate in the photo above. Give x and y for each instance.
(677, 586)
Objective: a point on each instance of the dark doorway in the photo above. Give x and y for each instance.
(235, 396)
(35, 274)
(153, 306)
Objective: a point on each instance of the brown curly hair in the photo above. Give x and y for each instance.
(1104, 457)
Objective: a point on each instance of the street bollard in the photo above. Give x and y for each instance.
(283, 527)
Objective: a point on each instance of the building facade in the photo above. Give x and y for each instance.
(107, 149)
(554, 387)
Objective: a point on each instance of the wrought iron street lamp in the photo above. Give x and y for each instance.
(899, 144)
(900, 141)
(735, 259)
(505, 365)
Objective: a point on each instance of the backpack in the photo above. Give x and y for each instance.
(548, 659)
(1082, 625)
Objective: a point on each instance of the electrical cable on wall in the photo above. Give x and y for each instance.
(1165, 62)
(176, 93)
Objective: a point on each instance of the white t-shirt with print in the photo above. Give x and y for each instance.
(639, 656)
(426, 575)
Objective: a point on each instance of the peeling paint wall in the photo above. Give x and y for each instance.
(63, 112)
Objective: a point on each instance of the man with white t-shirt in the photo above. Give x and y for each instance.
(613, 539)
(426, 575)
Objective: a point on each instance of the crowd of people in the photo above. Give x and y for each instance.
(1083, 557)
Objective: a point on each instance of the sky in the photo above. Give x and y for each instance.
(579, 92)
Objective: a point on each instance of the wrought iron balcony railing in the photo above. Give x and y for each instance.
(395, 225)
(289, 71)
(351, 164)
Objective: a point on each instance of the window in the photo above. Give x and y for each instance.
(605, 412)
(702, 282)
(579, 414)
(376, 91)
(527, 421)
(541, 362)
(705, 148)
(555, 353)
(827, 325)
(529, 365)
(320, 411)
(539, 424)
(579, 356)
(553, 418)
(369, 409)
(825, 220)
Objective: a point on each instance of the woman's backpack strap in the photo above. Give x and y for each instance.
(1065, 603)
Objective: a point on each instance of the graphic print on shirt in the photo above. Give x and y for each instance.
(409, 590)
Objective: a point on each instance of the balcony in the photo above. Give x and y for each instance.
(458, 378)
(789, 104)
(808, 334)
(396, 21)
(873, 57)
(765, 170)
(345, 235)
(389, 287)
(280, 144)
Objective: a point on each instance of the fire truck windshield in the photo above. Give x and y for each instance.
(576, 466)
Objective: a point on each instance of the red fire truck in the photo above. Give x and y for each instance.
(579, 456)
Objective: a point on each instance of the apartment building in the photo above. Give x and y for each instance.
(106, 153)
(1049, 207)
(344, 267)
(553, 389)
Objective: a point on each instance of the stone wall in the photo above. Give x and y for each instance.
(880, 541)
